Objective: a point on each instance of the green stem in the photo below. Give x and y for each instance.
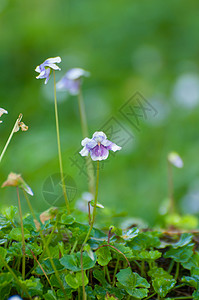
(177, 270)
(15, 277)
(10, 136)
(95, 206)
(143, 268)
(84, 125)
(150, 296)
(59, 148)
(170, 188)
(115, 271)
(23, 239)
(171, 266)
(82, 271)
(74, 246)
(90, 229)
(108, 275)
(46, 246)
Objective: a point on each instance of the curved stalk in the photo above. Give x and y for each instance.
(59, 148)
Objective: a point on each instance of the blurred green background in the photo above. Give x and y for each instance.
(150, 47)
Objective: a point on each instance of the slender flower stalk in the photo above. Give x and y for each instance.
(84, 126)
(95, 206)
(23, 238)
(91, 223)
(59, 148)
(71, 82)
(170, 189)
(10, 136)
(173, 159)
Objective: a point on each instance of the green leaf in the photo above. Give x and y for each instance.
(99, 275)
(3, 253)
(33, 285)
(73, 261)
(125, 250)
(5, 285)
(193, 262)
(181, 255)
(148, 255)
(145, 240)
(163, 285)
(191, 280)
(74, 280)
(15, 234)
(46, 265)
(134, 284)
(10, 212)
(50, 295)
(184, 240)
(103, 256)
(130, 234)
(67, 219)
(162, 281)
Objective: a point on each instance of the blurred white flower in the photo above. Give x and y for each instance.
(175, 159)
(186, 90)
(82, 203)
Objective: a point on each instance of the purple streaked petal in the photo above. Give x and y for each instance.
(47, 75)
(43, 74)
(114, 147)
(39, 68)
(99, 153)
(99, 136)
(84, 151)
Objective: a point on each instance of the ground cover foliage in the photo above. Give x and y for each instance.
(117, 264)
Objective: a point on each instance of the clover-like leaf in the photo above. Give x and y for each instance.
(148, 255)
(73, 261)
(185, 239)
(15, 234)
(74, 280)
(181, 255)
(103, 256)
(162, 281)
(133, 283)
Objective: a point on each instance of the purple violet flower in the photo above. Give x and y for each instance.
(45, 68)
(71, 81)
(98, 146)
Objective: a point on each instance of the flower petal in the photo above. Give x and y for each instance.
(43, 74)
(114, 147)
(84, 152)
(3, 111)
(76, 73)
(99, 153)
(89, 143)
(47, 75)
(99, 136)
(72, 86)
(85, 141)
(52, 60)
(54, 67)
